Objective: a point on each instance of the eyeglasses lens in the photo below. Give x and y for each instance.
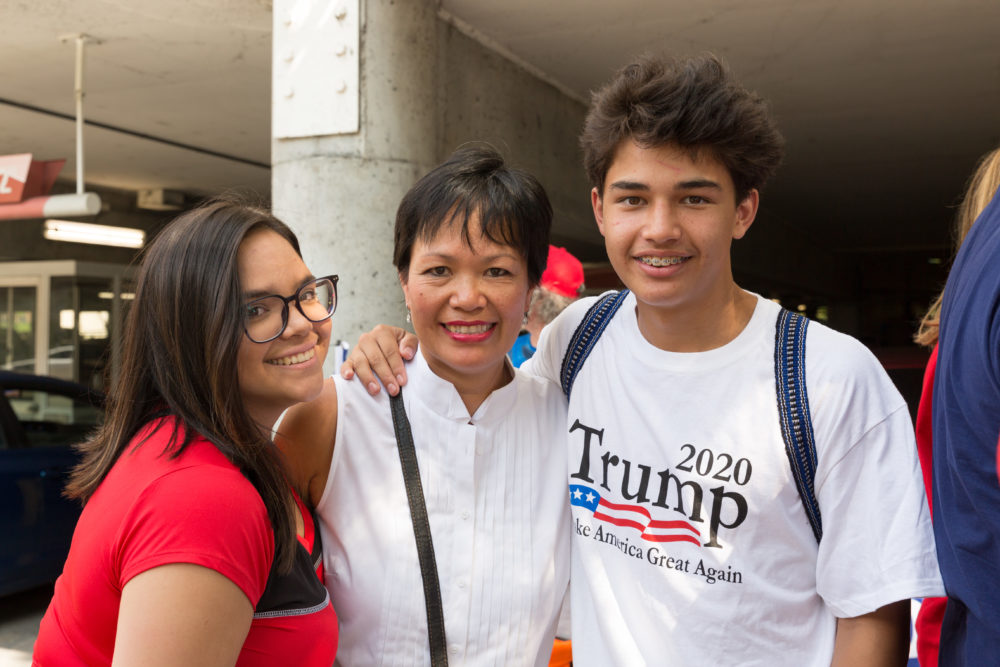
(317, 300)
(267, 317)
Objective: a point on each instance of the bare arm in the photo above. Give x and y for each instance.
(306, 436)
(878, 639)
(378, 357)
(181, 614)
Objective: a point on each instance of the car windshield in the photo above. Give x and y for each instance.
(51, 419)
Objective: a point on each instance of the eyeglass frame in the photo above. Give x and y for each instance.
(285, 310)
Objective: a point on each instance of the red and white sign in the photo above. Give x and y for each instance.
(13, 177)
(22, 178)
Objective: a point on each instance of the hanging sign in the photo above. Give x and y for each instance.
(22, 178)
(13, 177)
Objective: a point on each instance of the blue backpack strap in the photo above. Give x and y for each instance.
(793, 410)
(585, 337)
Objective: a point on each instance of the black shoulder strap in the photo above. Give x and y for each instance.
(585, 337)
(421, 531)
(793, 410)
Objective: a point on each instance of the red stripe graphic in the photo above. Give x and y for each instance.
(639, 518)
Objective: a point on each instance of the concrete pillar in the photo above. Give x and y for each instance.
(340, 192)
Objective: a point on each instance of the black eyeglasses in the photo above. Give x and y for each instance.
(266, 318)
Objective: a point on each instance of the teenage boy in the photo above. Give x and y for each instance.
(692, 544)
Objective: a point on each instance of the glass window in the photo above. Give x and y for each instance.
(17, 329)
(62, 329)
(80, 328)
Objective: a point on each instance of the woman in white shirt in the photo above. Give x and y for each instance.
(471, 241)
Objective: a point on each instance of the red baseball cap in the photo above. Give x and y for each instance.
(563, 273)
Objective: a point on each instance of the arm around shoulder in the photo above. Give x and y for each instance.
(306, 437)
(379, 357)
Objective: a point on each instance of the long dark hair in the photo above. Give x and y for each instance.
(179, 357)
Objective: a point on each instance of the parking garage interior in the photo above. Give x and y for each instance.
(885, 109)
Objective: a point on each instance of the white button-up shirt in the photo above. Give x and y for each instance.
(495, 488)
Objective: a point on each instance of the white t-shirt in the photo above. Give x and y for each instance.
(494, 486)
(691, 545)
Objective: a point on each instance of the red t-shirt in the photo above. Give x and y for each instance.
(931, 614)
(154, 510)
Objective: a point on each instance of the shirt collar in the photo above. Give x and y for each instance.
(441, 397)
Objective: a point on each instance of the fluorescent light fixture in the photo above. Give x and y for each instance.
(85, 232)
(53, 206)
(126, 296)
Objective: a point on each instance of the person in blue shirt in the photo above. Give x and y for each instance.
(966, 425)
(561, 285)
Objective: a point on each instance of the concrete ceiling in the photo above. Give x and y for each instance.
(195, 72)
(885, 104)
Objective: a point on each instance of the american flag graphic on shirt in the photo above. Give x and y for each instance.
(632, 516)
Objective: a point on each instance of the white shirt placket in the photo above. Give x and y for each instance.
(461, 459)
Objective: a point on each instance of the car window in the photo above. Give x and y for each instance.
(52, 420)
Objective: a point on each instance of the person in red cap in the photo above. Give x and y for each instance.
(561, 285)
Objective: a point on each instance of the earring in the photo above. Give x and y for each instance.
(408, 318)
(524, 320)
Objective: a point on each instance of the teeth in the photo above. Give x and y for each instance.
(294, 359)
(472, 329)
(662, 261)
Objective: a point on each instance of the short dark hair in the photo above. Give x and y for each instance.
(179, 356)
(694, 103)
(512, 206)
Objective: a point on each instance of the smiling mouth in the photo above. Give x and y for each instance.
(662, 261)
(468, 329)
(294, 359)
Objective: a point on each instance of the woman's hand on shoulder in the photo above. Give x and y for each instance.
(181, 614)
(379, 357)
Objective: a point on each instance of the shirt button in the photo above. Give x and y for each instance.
(461, 583)
(455, 648)
(466, 515)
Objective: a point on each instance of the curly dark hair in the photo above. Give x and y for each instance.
(693, 103)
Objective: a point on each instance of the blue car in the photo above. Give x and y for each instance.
(40, 419)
